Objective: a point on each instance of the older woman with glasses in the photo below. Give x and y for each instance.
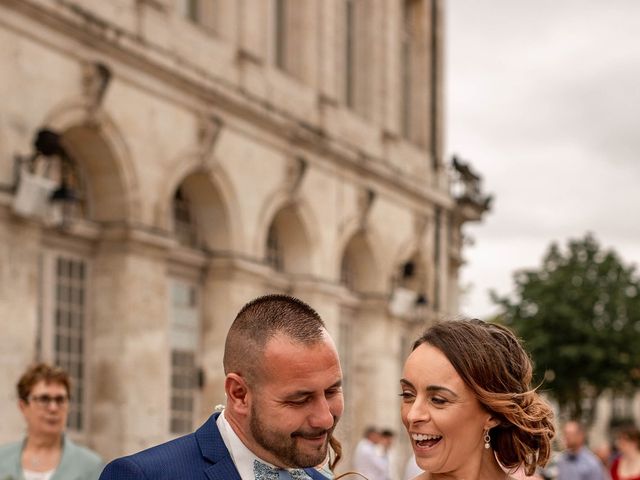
(46, 453)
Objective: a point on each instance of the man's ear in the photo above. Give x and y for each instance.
(238, 394)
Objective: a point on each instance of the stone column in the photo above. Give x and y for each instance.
(19, 256)
(229, 284)
(130, 347)
(376, 367)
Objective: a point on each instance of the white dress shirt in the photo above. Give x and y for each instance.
(242, 457)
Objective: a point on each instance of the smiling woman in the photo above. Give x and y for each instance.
(468, 405)
(45, 453)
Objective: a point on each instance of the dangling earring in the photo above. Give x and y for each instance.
(487, 439)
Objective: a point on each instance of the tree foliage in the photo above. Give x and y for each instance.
(579, 316)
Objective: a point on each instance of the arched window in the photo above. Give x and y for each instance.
(274, 254)
(184, 224)
(347, 273)
(358, 269)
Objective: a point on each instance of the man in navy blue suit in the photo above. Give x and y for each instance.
(284, 398)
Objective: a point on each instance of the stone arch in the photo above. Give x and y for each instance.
(100, 149)
(360, 248)
(212, 194)
(297, 230)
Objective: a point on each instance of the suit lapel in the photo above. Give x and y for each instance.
(223, 470)
(213, 449)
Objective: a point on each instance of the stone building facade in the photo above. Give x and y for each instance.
(192, 155)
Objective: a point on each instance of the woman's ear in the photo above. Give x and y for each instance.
(491, 422)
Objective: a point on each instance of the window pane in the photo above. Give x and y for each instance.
(183, 389)
(69, 330)
(184, 339)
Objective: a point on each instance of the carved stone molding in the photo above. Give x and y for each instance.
(96, 77)
(209, 127)
(295, 171)
(366, 199)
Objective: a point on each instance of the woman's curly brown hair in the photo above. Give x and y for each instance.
(494, 365)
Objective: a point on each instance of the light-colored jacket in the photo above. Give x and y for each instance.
(77, 463)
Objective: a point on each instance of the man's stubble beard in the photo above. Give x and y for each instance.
(284, 446)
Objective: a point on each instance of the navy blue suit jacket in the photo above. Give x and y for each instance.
(201, 455)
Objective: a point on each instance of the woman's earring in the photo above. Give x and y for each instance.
(487, 439)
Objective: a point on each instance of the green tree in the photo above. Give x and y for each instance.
(579, 316)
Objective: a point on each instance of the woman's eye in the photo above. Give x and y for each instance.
(407, 395)
(438, 400)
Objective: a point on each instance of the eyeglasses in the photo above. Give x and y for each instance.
(43, 401)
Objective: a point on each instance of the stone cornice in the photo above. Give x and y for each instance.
(134, 51)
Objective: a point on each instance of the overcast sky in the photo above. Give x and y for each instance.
(543, 99)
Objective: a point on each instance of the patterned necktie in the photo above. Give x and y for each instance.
(265, 472)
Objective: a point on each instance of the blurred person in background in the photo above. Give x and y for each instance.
(369, 458)
(577, 462)
(46, 453)
(627, 465)
(385, 446)
(606, 456)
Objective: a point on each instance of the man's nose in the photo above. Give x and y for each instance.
(322, 417)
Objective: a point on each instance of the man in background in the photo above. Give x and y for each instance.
(371, 457)
(577, 462)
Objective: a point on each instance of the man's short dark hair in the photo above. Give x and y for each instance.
(262, 319)
(370, 430)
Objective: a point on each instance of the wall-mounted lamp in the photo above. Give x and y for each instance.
(408, 269)
(422, 300)
(42, 180)
(408, 303)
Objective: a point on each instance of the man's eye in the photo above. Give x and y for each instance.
(333, 392)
